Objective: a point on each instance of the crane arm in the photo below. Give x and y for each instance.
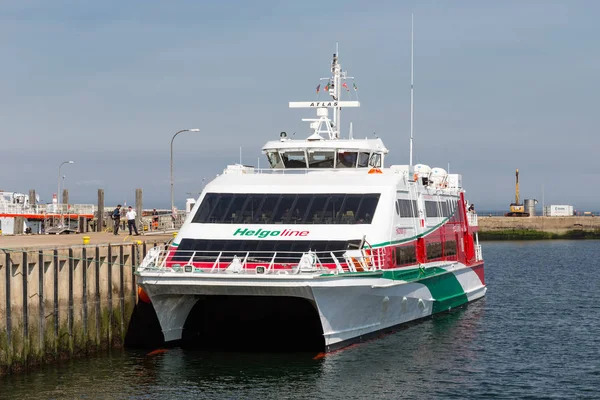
(517, 188)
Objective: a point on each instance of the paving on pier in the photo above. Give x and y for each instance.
(96, 238)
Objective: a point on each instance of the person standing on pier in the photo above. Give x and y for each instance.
(116, 216)
(131, 214)
(155, 219)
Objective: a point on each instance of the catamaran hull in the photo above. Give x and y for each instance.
(350, 308)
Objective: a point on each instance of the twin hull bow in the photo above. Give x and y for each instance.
(350, 306)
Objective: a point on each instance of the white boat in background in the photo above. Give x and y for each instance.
(36, 218)
(327, 246)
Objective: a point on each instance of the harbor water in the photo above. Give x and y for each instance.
(535, 335)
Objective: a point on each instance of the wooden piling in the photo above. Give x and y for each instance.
(100, 219)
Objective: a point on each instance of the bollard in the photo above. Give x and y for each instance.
(174, 235)
(86, 240)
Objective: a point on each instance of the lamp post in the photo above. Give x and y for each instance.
(172, 195)
(58, 190)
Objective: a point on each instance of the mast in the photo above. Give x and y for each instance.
(412, 86)
(335, 91)
(336, 81)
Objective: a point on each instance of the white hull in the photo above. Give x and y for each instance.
(349, 307)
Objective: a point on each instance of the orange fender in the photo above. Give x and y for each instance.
(143, 296)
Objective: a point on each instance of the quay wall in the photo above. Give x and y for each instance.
(65, 302)
(539, 227)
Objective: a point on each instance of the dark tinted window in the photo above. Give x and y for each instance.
(407, 208)
(333, 209)
(405, 255)
(287, 208)
(282, 210)
(350, 208)
(220, 209)
(450, 248)
(300, 208)
(367, 208)
(431, 208)
(434, 250)
(316, 209)
(206, 207)
(266, 209)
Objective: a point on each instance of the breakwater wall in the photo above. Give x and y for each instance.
(539, 227)
(65, 302)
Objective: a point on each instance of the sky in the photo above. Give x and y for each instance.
(498, 86)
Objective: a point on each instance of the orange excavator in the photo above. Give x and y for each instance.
(517, 209)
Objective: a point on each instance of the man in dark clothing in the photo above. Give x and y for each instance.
(116, 216)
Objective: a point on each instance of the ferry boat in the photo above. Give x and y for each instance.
(328, 245)
(39, 218)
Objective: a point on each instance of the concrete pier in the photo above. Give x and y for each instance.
(61, 299)
(546, 224)
(539, 227)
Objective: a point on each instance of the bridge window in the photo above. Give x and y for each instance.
(287, 208)
(321, 159)
(347, 159)
(363, 160)
(294, 159)
(375, 160)
(274, 159)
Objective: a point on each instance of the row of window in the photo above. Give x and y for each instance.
(322, 159)
(288, 251)
(256, 208)
(408, 208)
(440, 208)
(406, 255)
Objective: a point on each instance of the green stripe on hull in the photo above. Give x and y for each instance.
(445, 289)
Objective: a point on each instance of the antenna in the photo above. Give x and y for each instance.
(240, 155)
(412, 86)
(350, 134)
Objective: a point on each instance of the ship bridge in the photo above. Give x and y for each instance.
(316, 152)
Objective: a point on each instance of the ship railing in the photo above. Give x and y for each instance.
(263, 262)
(472, 218)
(301, 171)
(478, 253)
(11, 208)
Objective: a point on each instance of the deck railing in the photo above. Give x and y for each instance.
(263, 262)
(478, 253)
(12, 208)
(472, 219)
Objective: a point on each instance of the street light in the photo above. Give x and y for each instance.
(58, 191)
(172, 195)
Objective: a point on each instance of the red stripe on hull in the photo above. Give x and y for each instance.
(478, 269)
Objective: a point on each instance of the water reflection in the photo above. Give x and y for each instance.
(416, 353)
